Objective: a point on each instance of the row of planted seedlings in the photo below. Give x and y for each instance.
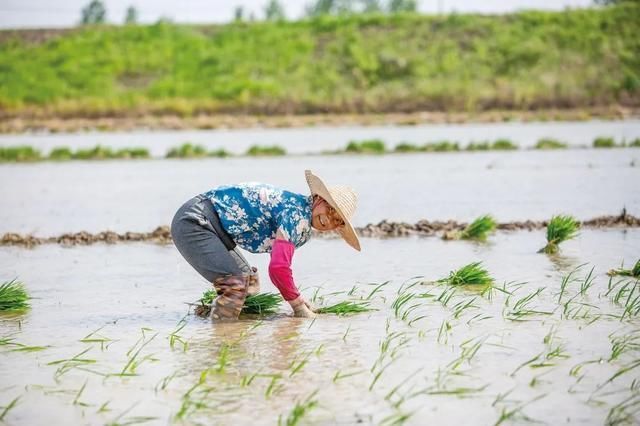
(18, 154)
(461, 292)
(26, 153)
(377, 146)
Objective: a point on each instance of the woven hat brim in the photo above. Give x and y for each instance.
(317, 187)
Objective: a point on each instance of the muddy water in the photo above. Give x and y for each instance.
(127, 287)
(322, 138)
(50, 198)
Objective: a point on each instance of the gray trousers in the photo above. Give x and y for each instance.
(197, 241)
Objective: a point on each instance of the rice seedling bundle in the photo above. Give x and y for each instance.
(603, 142)
(560, 228)
(441, 146)
(187, 150)
(345, 308)
(61, 153)
(261, 303)
(635, 143)
(473, 274)
(548, 143)
(633, 272)
(406, 147)
(19, 153)
(13, 297)
(479, 228)
(503, 145)
(370, 146)
(275, 150)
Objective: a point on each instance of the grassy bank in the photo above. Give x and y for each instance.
(357, 64)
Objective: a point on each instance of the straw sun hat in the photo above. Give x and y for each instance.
(343, 199)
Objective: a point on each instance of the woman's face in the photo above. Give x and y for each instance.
(324, 217)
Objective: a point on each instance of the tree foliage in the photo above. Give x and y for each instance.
(274, 11)
(94, 13)
(131, 16)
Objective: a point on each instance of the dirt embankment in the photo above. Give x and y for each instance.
(384, 229)
(36, 123)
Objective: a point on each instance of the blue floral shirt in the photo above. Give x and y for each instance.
(252, 213)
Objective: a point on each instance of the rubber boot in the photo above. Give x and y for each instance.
(232, 290)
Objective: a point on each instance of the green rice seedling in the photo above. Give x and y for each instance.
(369, 146)
(604, 142)
(440, 146)
(345, 308)
(521, 309)
(478, 146)
(376, 289)
(76, 400)
(266, 151)
(479, 228)
(175, 338)
(219, 153)
(274, 387)
(95, 337)
(516, 413)
(396, 419)
(406, 147)
(13, 297)
(625, 412)
(61, 153)
(262, 303)
(587, 282)
(503, 145)
(560, 228)
(299, 411)
(468, 350)
(339, 375)
(635, 143)
(8, 407)
(187, 150)
(18, 154)
(633, 272)
(549, 143)
(96, 153)
(624, 343)
(462, 306)
(471, 275)
(135, 153)
(133, 362)
(71, 363)
(121, 420)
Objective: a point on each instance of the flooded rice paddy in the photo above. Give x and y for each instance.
(109, 340)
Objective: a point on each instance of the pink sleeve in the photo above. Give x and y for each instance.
(280, 269)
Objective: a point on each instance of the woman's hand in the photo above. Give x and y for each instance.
(301, 308)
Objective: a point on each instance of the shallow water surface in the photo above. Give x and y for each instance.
(433, 361)
(48, 198)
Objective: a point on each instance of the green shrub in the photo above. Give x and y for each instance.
(260, 151)
(440, 146)
(19, 154)
(604, 142)
(370, 146)
(503, 145)
(635, 143)
(548, 143)
(187, 150)
(61, 153)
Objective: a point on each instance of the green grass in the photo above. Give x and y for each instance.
(560, 228)
(549, 143)
(529, 60)
(13, 296)
(473, 274)
(633, 272)
(266, 151)
(479, 228)
(345, 308)
(604, 142)
(371, 146)
(15, 154)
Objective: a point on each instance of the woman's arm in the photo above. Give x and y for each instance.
(282, 276)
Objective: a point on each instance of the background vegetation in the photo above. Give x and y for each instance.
(373, 62)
